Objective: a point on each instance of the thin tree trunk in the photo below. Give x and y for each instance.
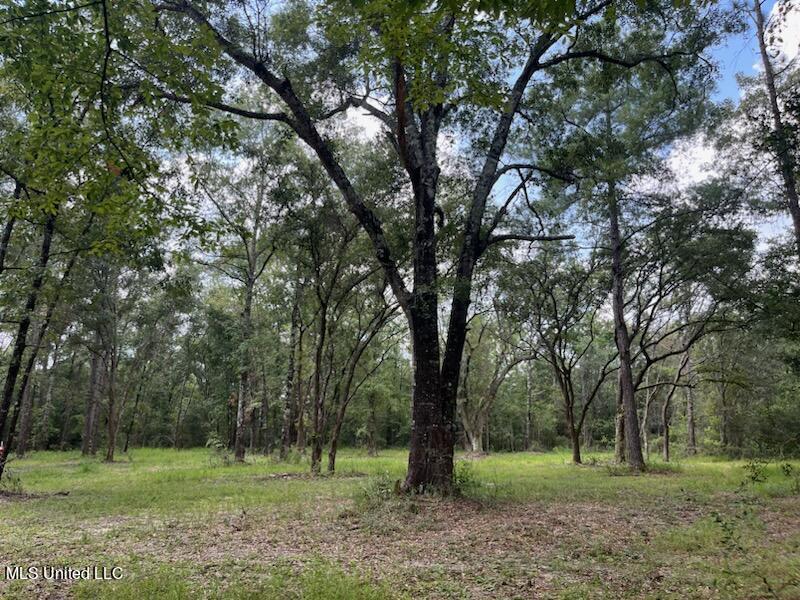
(645, 429)
(665, 427)
(665, 414)
(779, 138)
(21, 338)
(34, 351)
(132, 422)
(179, 415)
(317, 421)
(691, 440)
(575, 436)
(334, 445)
(43, 438)
(88, 446)
(26, 418)
(289, 386)
(6, 238)
(114, 410)
(266, 434)
(243, 403)
(301, 402)
(68, 401)
(529, 407)
(372, 426)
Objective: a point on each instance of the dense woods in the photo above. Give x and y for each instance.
(286, 228)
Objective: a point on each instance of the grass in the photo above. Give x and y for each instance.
(183, 524)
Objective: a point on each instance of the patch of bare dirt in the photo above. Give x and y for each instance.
(12, 495)
(498, 551)
(782, 518)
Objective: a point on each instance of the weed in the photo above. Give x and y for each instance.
(755, 471)
(465, 481)
(220, 454)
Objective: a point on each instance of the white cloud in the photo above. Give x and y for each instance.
(786, 30)
(692, 161)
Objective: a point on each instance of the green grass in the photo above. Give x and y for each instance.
(182, 524)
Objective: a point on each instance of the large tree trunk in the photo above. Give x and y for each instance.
(779, 138)
(473, 429)
(430, 459)
(633, 444)
(20, 340)
(619, 431)
(475, 440)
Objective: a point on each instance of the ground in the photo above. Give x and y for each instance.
(187, 524)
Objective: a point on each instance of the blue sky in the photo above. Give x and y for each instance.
(738, 55)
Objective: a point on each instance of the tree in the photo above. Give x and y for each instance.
(782, 139)
(557, 301)
(607, 128)
(244, 191)
(431, 75)
(490, 356)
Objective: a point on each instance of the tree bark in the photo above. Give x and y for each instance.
(243, 401)
(6, 238)
(300, 401)
(317, 416)
(114, 409)
(289, 386)
(43, 437)
(372, 426)
(574, 435)
(665, 414)
(633, 444)
(34, 350)
(134, 412)
(619, 431)
(645, 428)
(529, 408)
(26, 418)
(691, 433)
(68, 401)
(780, 141)
(21, 338)
(88, 446)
